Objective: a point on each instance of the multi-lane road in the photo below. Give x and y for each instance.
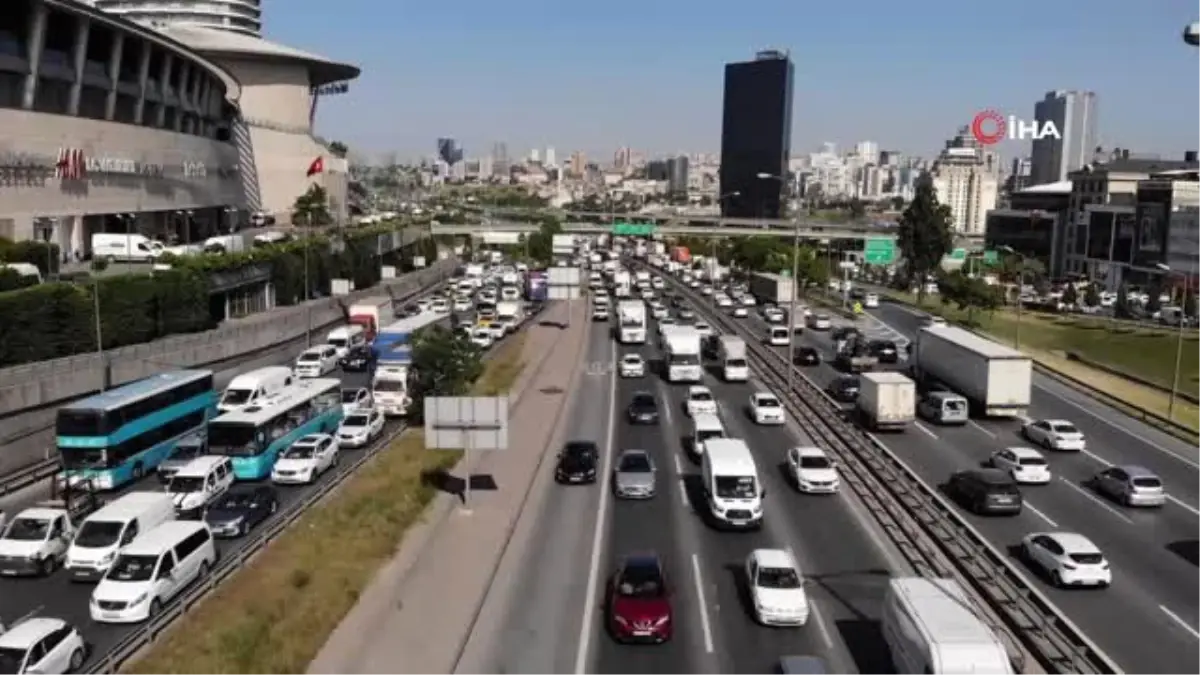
(558, 621)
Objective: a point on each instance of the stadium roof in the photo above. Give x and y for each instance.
(217, 42)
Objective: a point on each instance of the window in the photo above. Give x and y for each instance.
(93, 103)
(167, 564)
(131, 60)
(12, 89)
(191, 543)
(52, 96)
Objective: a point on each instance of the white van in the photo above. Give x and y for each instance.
(151, 571)
(779, 336)
(343, 338)
(198, 483)
(732, 487)
(115, 525)
(23, 269)
(225, 243)
(252, 387)
(705, 427)
(929, 627)
(125, 247)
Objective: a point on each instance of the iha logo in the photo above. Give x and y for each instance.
(990, 127)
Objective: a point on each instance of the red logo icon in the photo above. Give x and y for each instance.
(989, 127)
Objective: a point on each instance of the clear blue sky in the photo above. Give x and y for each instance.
(581, 74)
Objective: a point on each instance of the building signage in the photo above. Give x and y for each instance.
(124, 166)
(23, 168)
(195, 170)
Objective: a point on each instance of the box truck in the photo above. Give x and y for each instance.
(887, 400)
(372, 313)
(731, 352)
(996, 379)
(771, 288)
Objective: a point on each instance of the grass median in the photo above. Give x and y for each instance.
(276, 614)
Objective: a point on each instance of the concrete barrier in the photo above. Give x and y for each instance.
(37, 385)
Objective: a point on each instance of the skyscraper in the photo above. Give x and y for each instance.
(1074, 115)
(677, 175)
(756, 136)
(238, 16)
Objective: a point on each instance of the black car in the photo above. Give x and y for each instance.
(643, 409)
(410, 310)
(844, 388)
(806, 356)
(358, 359)
(884, 350)
(577, 463)
(985, 491)
(237, 511)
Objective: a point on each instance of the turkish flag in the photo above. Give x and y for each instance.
(317, 166)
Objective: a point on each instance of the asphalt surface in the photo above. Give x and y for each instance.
(559, 625)
(1147, 620)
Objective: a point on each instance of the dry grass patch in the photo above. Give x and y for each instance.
(276, 614)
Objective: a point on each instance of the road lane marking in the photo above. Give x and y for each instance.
(1177, 619)
(927, 431)
(1037, 512)
(1184, 504)
(980, 428)
(678, 465)
(704, 625)
(815, 611)
(683, 497)
(1100, 502)
(589, 600)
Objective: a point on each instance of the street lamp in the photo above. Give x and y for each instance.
(1166, 269)
(1020, 288)
(791, 350)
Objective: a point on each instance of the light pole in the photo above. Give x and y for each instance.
(791, 349)
(1020, 289)
(1166, 269)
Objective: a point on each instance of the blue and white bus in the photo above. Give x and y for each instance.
(118, 436)
(254, 436)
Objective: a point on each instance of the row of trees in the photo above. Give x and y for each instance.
(764, 254)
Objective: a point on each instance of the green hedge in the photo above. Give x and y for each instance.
(44, 255)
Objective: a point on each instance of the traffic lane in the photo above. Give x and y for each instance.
(540, 632)
(1136, 593)
(659, 525)
(741, 644)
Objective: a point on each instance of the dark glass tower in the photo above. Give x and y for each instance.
(756, 136)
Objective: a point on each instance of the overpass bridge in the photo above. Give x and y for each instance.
(719, 228)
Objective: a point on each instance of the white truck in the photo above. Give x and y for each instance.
(887, 400)
(771, 288)
(631, 322)
(622, 284)
(996, 379)
(509, 315)
(731, 352)
(682, 347)
(35, 541)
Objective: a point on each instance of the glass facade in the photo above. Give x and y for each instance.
(756, 130)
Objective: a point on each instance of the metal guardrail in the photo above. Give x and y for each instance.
(149, 631)
(922, 524)
(46, 468)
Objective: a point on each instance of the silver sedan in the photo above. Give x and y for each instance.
(634, 476)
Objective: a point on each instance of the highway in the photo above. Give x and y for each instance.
(1147, 620)
(558, 624)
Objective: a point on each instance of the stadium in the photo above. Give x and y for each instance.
(174, 130)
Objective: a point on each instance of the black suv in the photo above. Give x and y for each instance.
(358, 359)
(806, 356)
(985, 491)
(884, 350)
(844, 388)
(577, 463)
(643, 409)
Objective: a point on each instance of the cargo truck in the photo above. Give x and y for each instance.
(682, 347)
(771, 288)
(681, 254)
(372, 314)
(997, 380)
(631, 322)
(731, 352)
(536, 289)
(393, 363)
(622, 284)
(887, 401)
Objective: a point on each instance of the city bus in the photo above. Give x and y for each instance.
(117, 436)
(254, 436)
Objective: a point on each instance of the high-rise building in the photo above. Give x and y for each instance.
(551, 158)
(868, 151)
(535, 156)
(500, 165)
(238, 16)
(965, 183)
(756, 136)
(1074, 115)
(677, 175)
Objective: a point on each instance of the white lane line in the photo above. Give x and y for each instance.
(1037, 512)
(1180, 502)
(678, 465)
(980, 428)
(815, 613)
(1177, 619)
(683, 497)
(704, 625)
(589, 599)
(922, 427)
(1098, 501)
(666, 410)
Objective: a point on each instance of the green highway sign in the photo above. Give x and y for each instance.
(634, 229)
(879, 251)
(991, 257)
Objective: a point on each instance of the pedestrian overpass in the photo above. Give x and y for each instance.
(805, 230)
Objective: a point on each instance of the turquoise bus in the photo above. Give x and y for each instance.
(118, 436)
(254, 436)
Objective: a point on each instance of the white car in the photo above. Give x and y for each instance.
(1055, 435)
(1026, 465)
(703, 329)
(306, 460)
(659, 310)
(632, 365)
(43, 645)
(462, 305)
(773, 315)
(776, 588)
(657, 283)
(748, 300)
(647, 294)
(316, 361)
(439, 305)
(706, 290)
(740, 312)
(724, 300)
(813, 471)
(1068, 559)
(819, 321)
(356, 399)
(700, 400)
(35, 541)
(424, 304)
(482, 337)
(359, 427)
(765, 408)
(871, 301)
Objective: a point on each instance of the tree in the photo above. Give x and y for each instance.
(338, 148)
(1070, 296)
(1091, 296)
(444, 363)
(1121, 306)
(312, 207)
(925, 234)
(1189, 303)
(858, 209)
(541, 243)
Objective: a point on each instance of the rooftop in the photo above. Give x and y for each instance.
(1061, 187)
(211, 41)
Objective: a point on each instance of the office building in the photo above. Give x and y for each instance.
(965, 183)
(756, 136)
(1074, 115)
(238, 16)
(551, 158)
(677, 175)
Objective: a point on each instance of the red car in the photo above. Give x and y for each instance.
(639, 601)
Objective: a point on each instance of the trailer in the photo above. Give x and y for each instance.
(771, 288)
(996, 379)
(887, 400)
(372, 314)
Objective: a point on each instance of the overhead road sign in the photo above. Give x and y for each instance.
(466, 423)
(634, 229)
(879, 251)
